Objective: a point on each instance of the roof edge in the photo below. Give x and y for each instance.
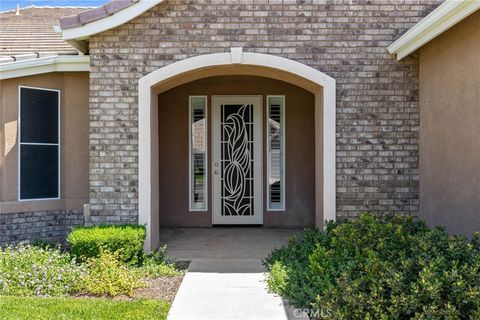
(438, 21)
(108, 22)
(46, 7)
(31, 67)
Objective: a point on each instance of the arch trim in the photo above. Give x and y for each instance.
(325, 117)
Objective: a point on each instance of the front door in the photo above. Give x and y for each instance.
(237, 159)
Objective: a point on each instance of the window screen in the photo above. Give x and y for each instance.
(39, 144)
(276, 153)
(198, 153)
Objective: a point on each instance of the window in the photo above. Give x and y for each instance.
(198, 153)
(276, 152)
(39, 152)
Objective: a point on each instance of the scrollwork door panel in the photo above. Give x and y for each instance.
(237, 159)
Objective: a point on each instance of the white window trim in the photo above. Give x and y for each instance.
(190, 195)
(20, 143)
(282, 132)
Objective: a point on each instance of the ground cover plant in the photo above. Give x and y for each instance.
(31, 270)
(28, 270)
(379, 268)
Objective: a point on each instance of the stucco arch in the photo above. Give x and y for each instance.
(230, 63)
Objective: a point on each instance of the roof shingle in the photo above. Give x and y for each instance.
(31, 31)
(95, 14)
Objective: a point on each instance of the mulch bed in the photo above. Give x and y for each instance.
(164, 288)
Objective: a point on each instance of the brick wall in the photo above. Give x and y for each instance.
(50, 226)
(377, 97)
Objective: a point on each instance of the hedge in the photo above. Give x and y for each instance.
(126, 240)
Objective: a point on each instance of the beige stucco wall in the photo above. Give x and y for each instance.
(450, 128)
(299, 145)
(73, 88)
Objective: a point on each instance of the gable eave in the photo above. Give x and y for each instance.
(83, 32)
(438, 21)
(54, 63)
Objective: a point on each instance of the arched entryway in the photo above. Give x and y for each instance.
(235, 62)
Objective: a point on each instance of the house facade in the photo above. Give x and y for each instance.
(277, 114)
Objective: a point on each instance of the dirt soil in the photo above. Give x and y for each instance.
(164, 288)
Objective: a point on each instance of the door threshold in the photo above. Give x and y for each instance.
(237, 225)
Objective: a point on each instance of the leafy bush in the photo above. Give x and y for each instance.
(380, 268)
(156, 265)
(107, 276)
(125, 240)
(30, 270)
(294, 257)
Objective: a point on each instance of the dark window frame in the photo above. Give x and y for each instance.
(20, 143)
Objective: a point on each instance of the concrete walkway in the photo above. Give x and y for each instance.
(225, 279)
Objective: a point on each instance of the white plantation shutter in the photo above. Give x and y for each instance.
(276, 152)
(198, 153)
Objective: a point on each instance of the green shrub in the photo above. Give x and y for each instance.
(289, 267)
(27, 270)
(125, 240)
(380, 268)
(107, 276)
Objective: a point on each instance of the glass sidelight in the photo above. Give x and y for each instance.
(198, 153)
(276, 152)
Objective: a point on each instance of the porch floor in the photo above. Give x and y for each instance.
(223, 242)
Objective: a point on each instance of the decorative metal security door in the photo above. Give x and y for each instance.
(237, 159)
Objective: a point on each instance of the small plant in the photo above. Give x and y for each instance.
(124, 240)
(380, 268)
(155, 265)
(107, 276)
(27, 270)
